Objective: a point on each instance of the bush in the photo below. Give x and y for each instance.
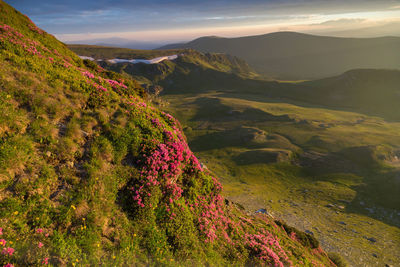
(305, 239)
(337, 259)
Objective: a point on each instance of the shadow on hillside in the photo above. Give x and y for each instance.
(263, 156)
(213, 110)
(377, 187)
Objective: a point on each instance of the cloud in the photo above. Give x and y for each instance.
(342, 22)
(95, 17)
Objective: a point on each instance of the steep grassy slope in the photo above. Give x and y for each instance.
(296, 150)
(91, 174)
(296, 56)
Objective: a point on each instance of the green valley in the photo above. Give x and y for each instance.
(322, 155)
(92, 173)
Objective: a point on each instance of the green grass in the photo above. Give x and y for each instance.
(104, 52)
(297, 144)
(351, 150)
(91, 172)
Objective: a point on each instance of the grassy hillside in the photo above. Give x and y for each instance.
(187, 61)
(91, 173)
(370, 91)
(373, 92)
(296, 56)
(332, 173)
(296, 150)
(105, 52)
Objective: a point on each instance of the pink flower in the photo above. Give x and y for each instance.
(8, 251)
(1, 231)
(40, 244)
(8, 265)
(39, 230)
(3, 242)
(45, 261)
(88, 74)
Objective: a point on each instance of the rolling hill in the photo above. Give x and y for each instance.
(374, 92)
(297, 56)
(92, 174)
(321, 154)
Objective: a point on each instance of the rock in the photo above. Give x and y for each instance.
(374, 255)
(261, 211)
(203, 166)
(371, 239)
(330, 206)
(370, 210)
(341, 207)
(271, 201)
(264, 211)
(309, 232)
(48, 153)
(342, 223)
(362, 203)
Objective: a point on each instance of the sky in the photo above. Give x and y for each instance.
(155, 22)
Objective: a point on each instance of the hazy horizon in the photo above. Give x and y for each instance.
(159, 22)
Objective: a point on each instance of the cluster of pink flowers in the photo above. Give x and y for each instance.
(99, 82)
(32, 26)
(6, 250)
(88, 74)
(9, 34)
(35, 29)
(116, 84)
(66, 64)
(267, 248)
(163, 166)
(45, 261)
(97, 86)
(156, 122)
(212, 218)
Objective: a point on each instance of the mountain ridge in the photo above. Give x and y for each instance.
(298, 56)
(91, 172)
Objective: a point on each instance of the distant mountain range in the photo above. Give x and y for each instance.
(297, 56)
(118, 42)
